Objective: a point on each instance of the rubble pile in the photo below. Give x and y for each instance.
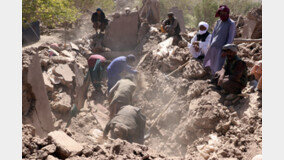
(60, 145)
(249, 26)
(250, 53)
(199, 111)
(196, 120)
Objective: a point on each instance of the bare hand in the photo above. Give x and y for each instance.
(196, 48)
(220, 82)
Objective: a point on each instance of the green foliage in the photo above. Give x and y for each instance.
(240, 7)
(205, 11)
(49, 12)
(106, 5)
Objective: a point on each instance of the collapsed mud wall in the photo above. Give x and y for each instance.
(35, 104)
(121, 33)
(150, 11)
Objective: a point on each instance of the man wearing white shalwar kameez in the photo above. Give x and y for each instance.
(200, 42)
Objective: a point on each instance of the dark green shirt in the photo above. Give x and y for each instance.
(237, 70)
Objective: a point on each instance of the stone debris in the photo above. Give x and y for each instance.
(65, 145)
(121, 33)
(55, 46)
(74, 46)
(201, 122)
(47, 82)
(150, 11)
(67, 74)
(62, 103)
(35, 104)
(67, 54)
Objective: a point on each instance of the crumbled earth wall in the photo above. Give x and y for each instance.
(201, 122)
(121, 33)
(150, 11)
(36, 109)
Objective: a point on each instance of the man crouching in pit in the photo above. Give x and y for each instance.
(128, 124)
(121, 94)
(233, 76)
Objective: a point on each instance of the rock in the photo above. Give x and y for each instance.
(61, 59)
(57, 124)
(67, 54)
(194, 70)
(182, 44)
(249, 28)
(49, 148)
(179, 15)
(66, 146)
(65, 71)
(44, 62)
(163, 47)
(96, 135)
(121, 33)
(47, 82)
(35, 105)
(257, 157)
(50, 157)
(63, 103)
(150, 11)
(43, 46)
(53, 52)
(74, 46)
(87, 152)
(55, 46)
(196, 89)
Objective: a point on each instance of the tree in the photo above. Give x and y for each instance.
(205, 11)
(49, 12)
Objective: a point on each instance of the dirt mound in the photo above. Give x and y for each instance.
(249, 26)
(191, 118)
(198, 111)
(50, 147)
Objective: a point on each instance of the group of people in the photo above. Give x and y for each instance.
(126, 121)
(217, 51)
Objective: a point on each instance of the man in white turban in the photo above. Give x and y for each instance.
(200, 42)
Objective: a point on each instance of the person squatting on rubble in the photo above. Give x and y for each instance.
(121, 94)
(128, 124)
(117, 66)
(200, 42)
(233, 75)
(256, 73)
(172, 28)
(223, 33)
(99, 20)
(97, 68)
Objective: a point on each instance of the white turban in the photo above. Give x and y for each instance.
(206, 25)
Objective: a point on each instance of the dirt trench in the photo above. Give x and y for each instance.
(201, 122)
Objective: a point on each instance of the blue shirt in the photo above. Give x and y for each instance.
(118, 65)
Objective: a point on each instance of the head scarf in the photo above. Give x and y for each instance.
(231, 47)
(131, 57)
(99, 9)
(225, 9)
(206, 25)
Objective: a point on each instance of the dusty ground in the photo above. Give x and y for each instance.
(197, 121)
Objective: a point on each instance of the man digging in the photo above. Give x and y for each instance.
(128, 124)
(121, 94)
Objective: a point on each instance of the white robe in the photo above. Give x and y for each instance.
(202, 45)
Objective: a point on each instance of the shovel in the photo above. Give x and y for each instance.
(148, 134)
